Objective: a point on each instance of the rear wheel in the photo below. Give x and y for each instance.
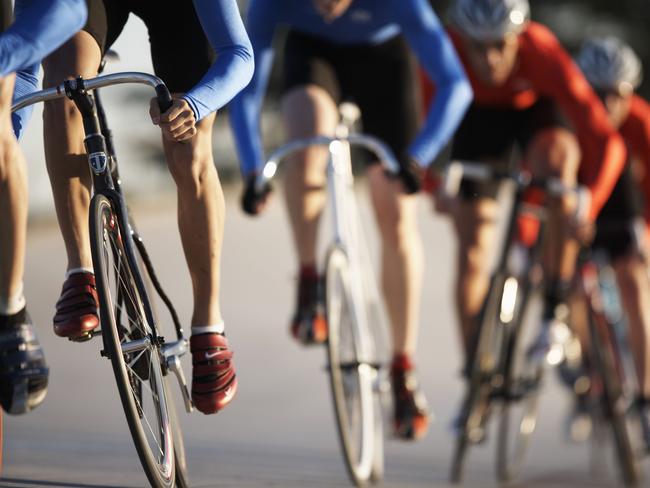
(482, 372)
(352, 378)
(132, 345)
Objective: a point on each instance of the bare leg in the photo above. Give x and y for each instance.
(402, 258)
(201, 215)
(307, 111)
(64, 149)
(13, 204)
(475, 224)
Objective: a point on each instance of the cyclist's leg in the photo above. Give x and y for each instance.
(555, 152)
(23, 372)
(308, 110)
(13, 207)
(476, 230)
(70, 180)
(309, 107)
(402, 258)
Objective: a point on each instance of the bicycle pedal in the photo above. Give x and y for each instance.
(82, 338)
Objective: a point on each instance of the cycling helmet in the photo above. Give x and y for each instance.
(488, 20)
(610, 65)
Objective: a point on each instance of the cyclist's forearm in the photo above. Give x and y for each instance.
(41, 26)
(245, 115)
(445, 114)
(234, 66)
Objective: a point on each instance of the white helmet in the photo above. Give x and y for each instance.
(609, 64)
(489, 20)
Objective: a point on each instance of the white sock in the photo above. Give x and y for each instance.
(209, 329)
(78, 270)
(13, 304)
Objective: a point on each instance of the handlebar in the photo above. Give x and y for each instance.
(456, 171)
(164, 97)
(381, 150)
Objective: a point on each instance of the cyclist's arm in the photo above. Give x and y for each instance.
(40, 27)
(438, 57)
(636, 132)
(234, 66)
(603, 149)
(26, 83)
(246, 108)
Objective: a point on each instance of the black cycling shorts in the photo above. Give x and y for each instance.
(180, 51)
(379, 79)
(492, 133)
(614, 225)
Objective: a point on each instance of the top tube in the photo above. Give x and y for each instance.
(380, 149)
(59, 91)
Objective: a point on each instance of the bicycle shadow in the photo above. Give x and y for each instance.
(26, 483)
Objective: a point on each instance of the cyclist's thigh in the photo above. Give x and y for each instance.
(180, 51)
(551, 147)
(310, 91)
(82, 54)
(380, 79)
(475, 222)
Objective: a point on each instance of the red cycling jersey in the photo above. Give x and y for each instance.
(545, 69)
(636, 133)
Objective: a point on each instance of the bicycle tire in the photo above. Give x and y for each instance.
(2, 440)
(613, 403)
(521, 394)
(476, 404)
(351, 379)
(138, 372)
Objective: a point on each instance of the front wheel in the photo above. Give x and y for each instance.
(131, 344)
(353, 378)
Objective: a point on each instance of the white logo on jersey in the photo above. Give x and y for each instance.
(359, 15)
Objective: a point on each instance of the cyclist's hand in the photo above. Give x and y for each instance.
(580, 225)
(253, 202)
(411, 175)
(178, 123)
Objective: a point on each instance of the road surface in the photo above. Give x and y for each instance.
(280, 430)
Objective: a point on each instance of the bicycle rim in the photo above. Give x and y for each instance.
(131, 346)
(614, 408)
(521, 393)
(351, 379)
(487, 351)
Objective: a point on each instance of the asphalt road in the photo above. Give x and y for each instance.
(280, 430)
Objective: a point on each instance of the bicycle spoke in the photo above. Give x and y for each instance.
(144, 384)
(148, 424)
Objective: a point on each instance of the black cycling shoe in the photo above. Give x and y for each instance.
(23, 372)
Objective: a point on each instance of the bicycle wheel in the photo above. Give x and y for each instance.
(482, 373)
(521, 390)
(131, 344)
(352, 378)
(614, 405)
(144, 262)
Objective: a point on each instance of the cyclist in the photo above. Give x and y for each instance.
(184, 37)
(40, 26)
(358, 50)
(529, 96)
(614, 71)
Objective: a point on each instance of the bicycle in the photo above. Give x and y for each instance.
(613, 382)
(356, 360)
(141, 358)
(501, 370)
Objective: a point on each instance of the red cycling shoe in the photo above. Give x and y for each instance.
(411, 418)
(77, 308)
(214, 382)
(309, 325)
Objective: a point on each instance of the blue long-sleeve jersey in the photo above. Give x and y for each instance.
(40, 27)
(365, 22)
(234, 66)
